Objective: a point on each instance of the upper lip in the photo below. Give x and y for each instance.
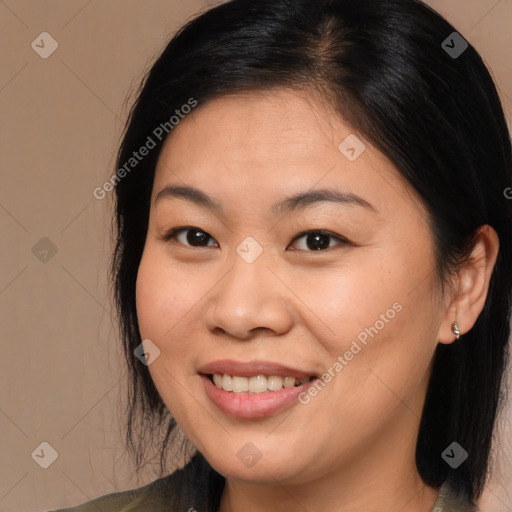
(252, 368)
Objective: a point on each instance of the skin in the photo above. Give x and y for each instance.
(352, 447)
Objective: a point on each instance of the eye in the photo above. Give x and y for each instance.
(193, 236)
(317, 240)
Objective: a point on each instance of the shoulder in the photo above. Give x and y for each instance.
(140, 499)
(450, 500)
(182, 488)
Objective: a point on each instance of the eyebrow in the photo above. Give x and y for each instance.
(298, 201)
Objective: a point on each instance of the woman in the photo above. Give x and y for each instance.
(313, 234)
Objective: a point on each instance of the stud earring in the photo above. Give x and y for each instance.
(456, 330)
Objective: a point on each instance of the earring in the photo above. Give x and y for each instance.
(456, 330)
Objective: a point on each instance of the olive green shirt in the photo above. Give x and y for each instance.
(192, 489)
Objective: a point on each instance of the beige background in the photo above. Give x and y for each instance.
(61, 120)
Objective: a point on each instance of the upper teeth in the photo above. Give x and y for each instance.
(256, 384)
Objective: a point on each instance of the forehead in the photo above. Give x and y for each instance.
(251, 123)
(261, 145)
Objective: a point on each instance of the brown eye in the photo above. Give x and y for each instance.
(315, 240)
(189, 235)
(318, 240)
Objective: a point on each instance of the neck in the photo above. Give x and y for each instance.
(411, 497)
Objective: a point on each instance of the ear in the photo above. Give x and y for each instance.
(471, 285)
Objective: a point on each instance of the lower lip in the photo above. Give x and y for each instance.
(251, 406)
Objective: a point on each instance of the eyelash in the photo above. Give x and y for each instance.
(342, 241)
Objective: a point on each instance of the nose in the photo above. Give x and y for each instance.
(251, 298)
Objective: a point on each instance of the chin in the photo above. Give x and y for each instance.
(250, 464)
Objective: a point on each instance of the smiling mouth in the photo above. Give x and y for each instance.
(256, 384)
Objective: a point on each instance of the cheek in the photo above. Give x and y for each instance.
(346, 301)
(380, 318)
(162, 305)
(149, 298)
(167, 299)
(375, 285)
(161, 298)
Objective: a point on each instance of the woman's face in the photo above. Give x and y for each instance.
(245, 293)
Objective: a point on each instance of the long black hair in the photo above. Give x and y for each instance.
(398, 75)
